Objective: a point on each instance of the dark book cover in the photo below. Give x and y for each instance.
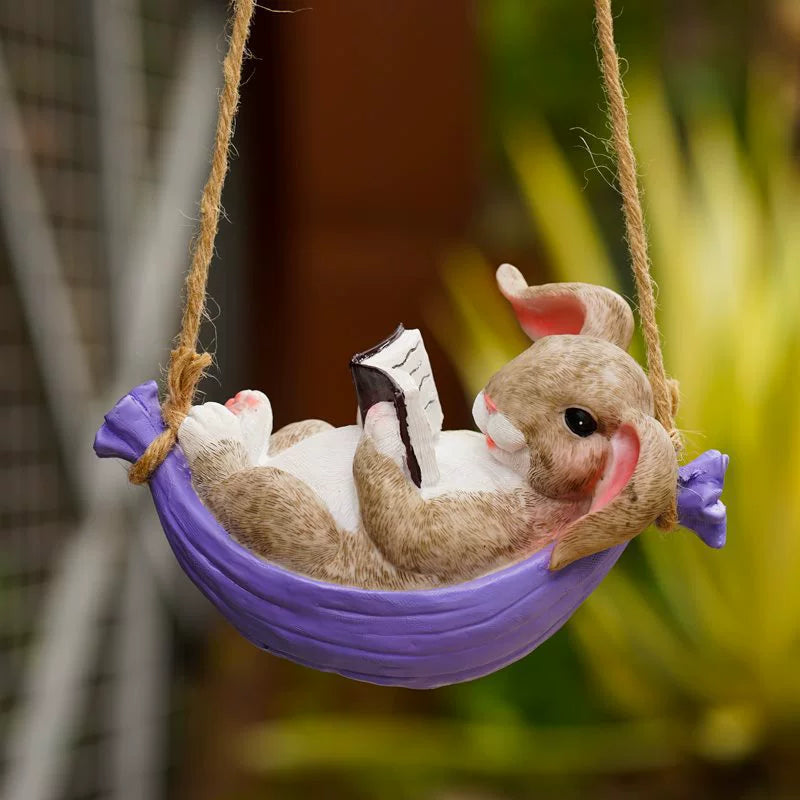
(373, 386)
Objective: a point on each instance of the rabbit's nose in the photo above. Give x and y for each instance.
(490, 406)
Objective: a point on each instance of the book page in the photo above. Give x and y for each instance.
(398, 370)
(407, 362)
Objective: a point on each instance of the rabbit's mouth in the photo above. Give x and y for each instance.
(504, 440)
(499, 430)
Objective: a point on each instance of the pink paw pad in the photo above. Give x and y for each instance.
(243, 401)
(381, 421)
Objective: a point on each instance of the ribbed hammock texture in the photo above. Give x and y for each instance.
(418, 639)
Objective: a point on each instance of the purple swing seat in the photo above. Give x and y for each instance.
(416, 639)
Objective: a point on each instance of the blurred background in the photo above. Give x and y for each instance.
(388, 156)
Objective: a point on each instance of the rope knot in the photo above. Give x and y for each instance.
(186, 368)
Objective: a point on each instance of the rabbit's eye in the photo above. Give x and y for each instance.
(580, 422)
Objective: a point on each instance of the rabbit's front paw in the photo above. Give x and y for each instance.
(382, 427)
(207, 426)
(254, 412)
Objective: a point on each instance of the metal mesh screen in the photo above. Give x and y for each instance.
(49, 48)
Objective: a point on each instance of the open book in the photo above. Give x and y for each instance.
(398, 371)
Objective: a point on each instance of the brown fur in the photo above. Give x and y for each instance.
(406, 541)
(295, 432)
(652, 486)
(454, 536)
(557, 372)
(278, 517)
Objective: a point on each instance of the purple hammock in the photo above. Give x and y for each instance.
(418, 639)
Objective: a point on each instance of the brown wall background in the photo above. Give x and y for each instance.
(357, 161)
(358, 129)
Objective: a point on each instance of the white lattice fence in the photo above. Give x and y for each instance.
(106, 109)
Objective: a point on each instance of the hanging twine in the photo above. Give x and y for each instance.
(186, 365)
(665, 390)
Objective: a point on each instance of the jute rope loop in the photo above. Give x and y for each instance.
(665, 390)
(186, 365)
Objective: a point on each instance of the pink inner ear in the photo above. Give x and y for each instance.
(622, 463)
(550, 316)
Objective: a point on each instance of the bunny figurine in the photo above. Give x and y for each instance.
(568, 454)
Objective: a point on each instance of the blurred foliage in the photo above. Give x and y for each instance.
(540, 67)
(683, 663)
(539, 55)
(710, 640)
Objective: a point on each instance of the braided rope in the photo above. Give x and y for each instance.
(665, 390)
(186, 365)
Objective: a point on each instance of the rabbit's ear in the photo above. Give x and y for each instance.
(639, 484)
(558, 308)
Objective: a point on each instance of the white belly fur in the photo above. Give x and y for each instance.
(325, 463)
